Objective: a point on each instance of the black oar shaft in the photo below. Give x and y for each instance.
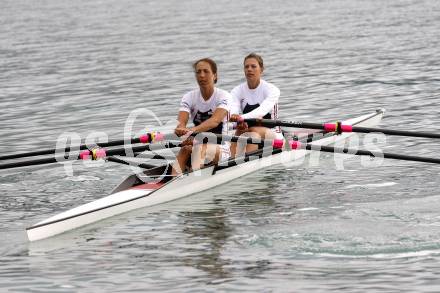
(272, 123)
(66, 150)
(120, 161)
(30, 163)
(207, 136)
(396, 132)
(298, 124)
(141, 148)
(330, 149)
(203, 137)
(105, 144)
(153, 156)
(111, 152)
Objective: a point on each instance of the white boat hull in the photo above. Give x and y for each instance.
(151, 194)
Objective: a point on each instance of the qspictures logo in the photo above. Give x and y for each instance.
(298, 148)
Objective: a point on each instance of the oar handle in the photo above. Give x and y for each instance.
(272, 123)
(276, 143)
(101, 153)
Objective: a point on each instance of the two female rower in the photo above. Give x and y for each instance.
(208, 108)
(255, 98)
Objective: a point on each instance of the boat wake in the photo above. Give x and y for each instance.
(83, 178)
(371, 185)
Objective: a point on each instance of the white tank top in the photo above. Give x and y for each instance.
(261, 102)
(201, 110)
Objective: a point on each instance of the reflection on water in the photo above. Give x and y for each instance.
(206, 234)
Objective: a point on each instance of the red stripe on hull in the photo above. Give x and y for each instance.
(148, 186)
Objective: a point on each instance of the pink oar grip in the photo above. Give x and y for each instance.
(92, 155)
(278, 143)
(294, 144)
(331, 127)
(100, 153)
(151, 137)
(159, 136)
(85, 155)
(144, 138)
(347, 128)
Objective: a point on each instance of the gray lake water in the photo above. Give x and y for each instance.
(83, 66)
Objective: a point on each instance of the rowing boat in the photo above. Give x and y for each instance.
(143, 190)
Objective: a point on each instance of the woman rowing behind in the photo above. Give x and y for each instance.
(255, 98)
(208, 108)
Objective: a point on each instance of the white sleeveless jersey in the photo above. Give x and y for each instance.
(201, 110)
(261, 102)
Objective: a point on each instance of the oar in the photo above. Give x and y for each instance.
(308, 146)
(120, 161)
(100, 153)
(205, 136)
(145, 138)
(338, 127)
(153, 156)
(87, 154)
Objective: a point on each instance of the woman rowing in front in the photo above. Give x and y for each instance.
(255, 98)
(208, 107)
